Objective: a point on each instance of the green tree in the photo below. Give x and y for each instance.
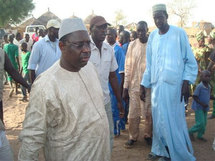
(14, 11)
(120, 18)
(181, 9)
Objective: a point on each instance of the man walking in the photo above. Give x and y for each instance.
(66, 116)
(119, 123)
(134, 67)
(170, 68)
(45, 52)
(12, 51)
(102, 56)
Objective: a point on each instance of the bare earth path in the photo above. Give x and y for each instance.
(14, 112)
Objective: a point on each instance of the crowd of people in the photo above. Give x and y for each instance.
(85, 85)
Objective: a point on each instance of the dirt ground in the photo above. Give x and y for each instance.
(14, 112)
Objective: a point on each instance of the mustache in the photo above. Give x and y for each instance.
(85, 54)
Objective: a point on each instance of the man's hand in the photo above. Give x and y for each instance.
(121, 110)
(125, 95)
(185, 91)
(142, 93)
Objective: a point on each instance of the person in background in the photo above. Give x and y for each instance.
(200, 51)
(211, 46)
(45, 52)
(35, 36)
(28, 41)
(119, 123)
(103, 57)
(210, 68)
(120, 28)
(5, 38)
(12, 51)
(5, 42)
(201, 100)
(170, 69)
(133, 35)
(25, 58)
(17, 39)
(65, 116)
(124, 39)
(211, 40)
(41, 34)
(134, 67)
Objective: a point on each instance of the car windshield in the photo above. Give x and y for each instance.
(32, 29)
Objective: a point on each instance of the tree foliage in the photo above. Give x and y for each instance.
(14, 11)
(120, 18)
(181, 9)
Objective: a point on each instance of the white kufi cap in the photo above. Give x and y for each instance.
(71, 25)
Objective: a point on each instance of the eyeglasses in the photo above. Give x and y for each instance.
(79, 44)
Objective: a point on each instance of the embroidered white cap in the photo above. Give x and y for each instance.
(158, 7)
(71, 25)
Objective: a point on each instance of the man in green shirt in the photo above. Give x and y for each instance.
(13, 53)
(25, 55)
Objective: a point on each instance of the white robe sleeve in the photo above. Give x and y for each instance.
(33, 135)
(190, 64)
(146, 80)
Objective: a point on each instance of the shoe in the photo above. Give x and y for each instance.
(148, 140)
(211, 117)
(192, 138)
(152, 156)
(24, 99)
(123, 130)
(164, 159)
(18, 92)
(202, 139)
(130, 143)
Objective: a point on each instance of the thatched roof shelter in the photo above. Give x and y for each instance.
(44, 18)
(88, 18)
(73, 16)
(27, 22)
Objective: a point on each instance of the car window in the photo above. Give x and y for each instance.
(30, 29)
(33, 28)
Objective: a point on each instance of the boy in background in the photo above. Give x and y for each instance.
(25, 55)
(200, 105)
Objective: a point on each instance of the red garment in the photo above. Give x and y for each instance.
(35, 37)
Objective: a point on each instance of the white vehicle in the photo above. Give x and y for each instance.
(32, 28)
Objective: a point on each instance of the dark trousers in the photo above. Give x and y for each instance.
(27, 79)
